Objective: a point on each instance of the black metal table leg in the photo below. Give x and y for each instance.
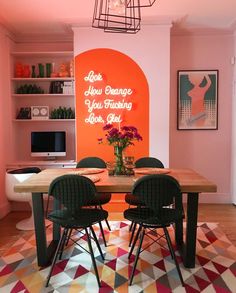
(44, 252)
(187, 248)
(179, 223)
(191, 230)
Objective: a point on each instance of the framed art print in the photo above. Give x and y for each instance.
(197, 99)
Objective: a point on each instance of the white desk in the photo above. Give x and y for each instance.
(46, 164)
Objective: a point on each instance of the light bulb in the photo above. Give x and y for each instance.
(117, 5)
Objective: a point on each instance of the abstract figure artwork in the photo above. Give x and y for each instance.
(197, 99)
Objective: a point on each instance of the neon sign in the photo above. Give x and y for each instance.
(104, 103)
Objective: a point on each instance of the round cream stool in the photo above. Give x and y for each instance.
(17, 176)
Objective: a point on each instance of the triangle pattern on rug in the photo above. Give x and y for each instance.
(156, 272)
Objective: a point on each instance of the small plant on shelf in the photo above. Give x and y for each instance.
(62, 113)
(29, 89)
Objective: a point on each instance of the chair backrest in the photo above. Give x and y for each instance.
(72, 191)
(157, 191)
(91, 162)
(148, 162)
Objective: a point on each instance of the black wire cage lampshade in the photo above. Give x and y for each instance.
(140, 3)
(116, 16)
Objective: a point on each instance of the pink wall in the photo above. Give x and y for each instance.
(233, 159)
(206, 151)
(4, 135)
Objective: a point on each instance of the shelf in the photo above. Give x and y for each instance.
(52, 98)
(44, 120)
(44, 54)
(42, 95)
(42, 79)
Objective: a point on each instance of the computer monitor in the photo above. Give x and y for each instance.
(48, 143)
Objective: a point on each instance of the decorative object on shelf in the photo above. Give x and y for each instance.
(19, 70)
(29, 89)
(68, 87)
(63, 70)
(24, 113)
(72, 68)
(115, 16)
(56, 87)
(33, 73)
(48, 69)
(41, 70)
(53, 73)
(62, 87)
(26, 71)
(62, 113)
(120, 139)
(39, 112)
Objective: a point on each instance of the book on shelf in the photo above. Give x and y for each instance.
(62, 87)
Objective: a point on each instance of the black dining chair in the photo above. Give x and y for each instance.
(158, 193)
(102, 198)
(71, 195)
(144, 162)
(149, 162)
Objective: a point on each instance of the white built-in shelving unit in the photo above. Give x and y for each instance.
(22, 128)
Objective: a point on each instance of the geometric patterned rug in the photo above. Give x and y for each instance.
(215, 269)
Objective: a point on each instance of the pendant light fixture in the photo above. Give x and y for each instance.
(119, 16)
(115, 16)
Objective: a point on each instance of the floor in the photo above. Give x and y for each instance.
(214, 270)
(223, 214)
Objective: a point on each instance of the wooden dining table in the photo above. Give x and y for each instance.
(192, 184)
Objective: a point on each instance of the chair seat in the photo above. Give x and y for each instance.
(83, 218)
(100, 199)
(148, 217)
(133, 200)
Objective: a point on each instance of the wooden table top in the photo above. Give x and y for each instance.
(189, 180)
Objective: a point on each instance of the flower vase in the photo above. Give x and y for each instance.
(119, 166)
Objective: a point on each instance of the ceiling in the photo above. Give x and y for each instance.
(56, 17)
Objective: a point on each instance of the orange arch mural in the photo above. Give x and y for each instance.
(110, 88)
